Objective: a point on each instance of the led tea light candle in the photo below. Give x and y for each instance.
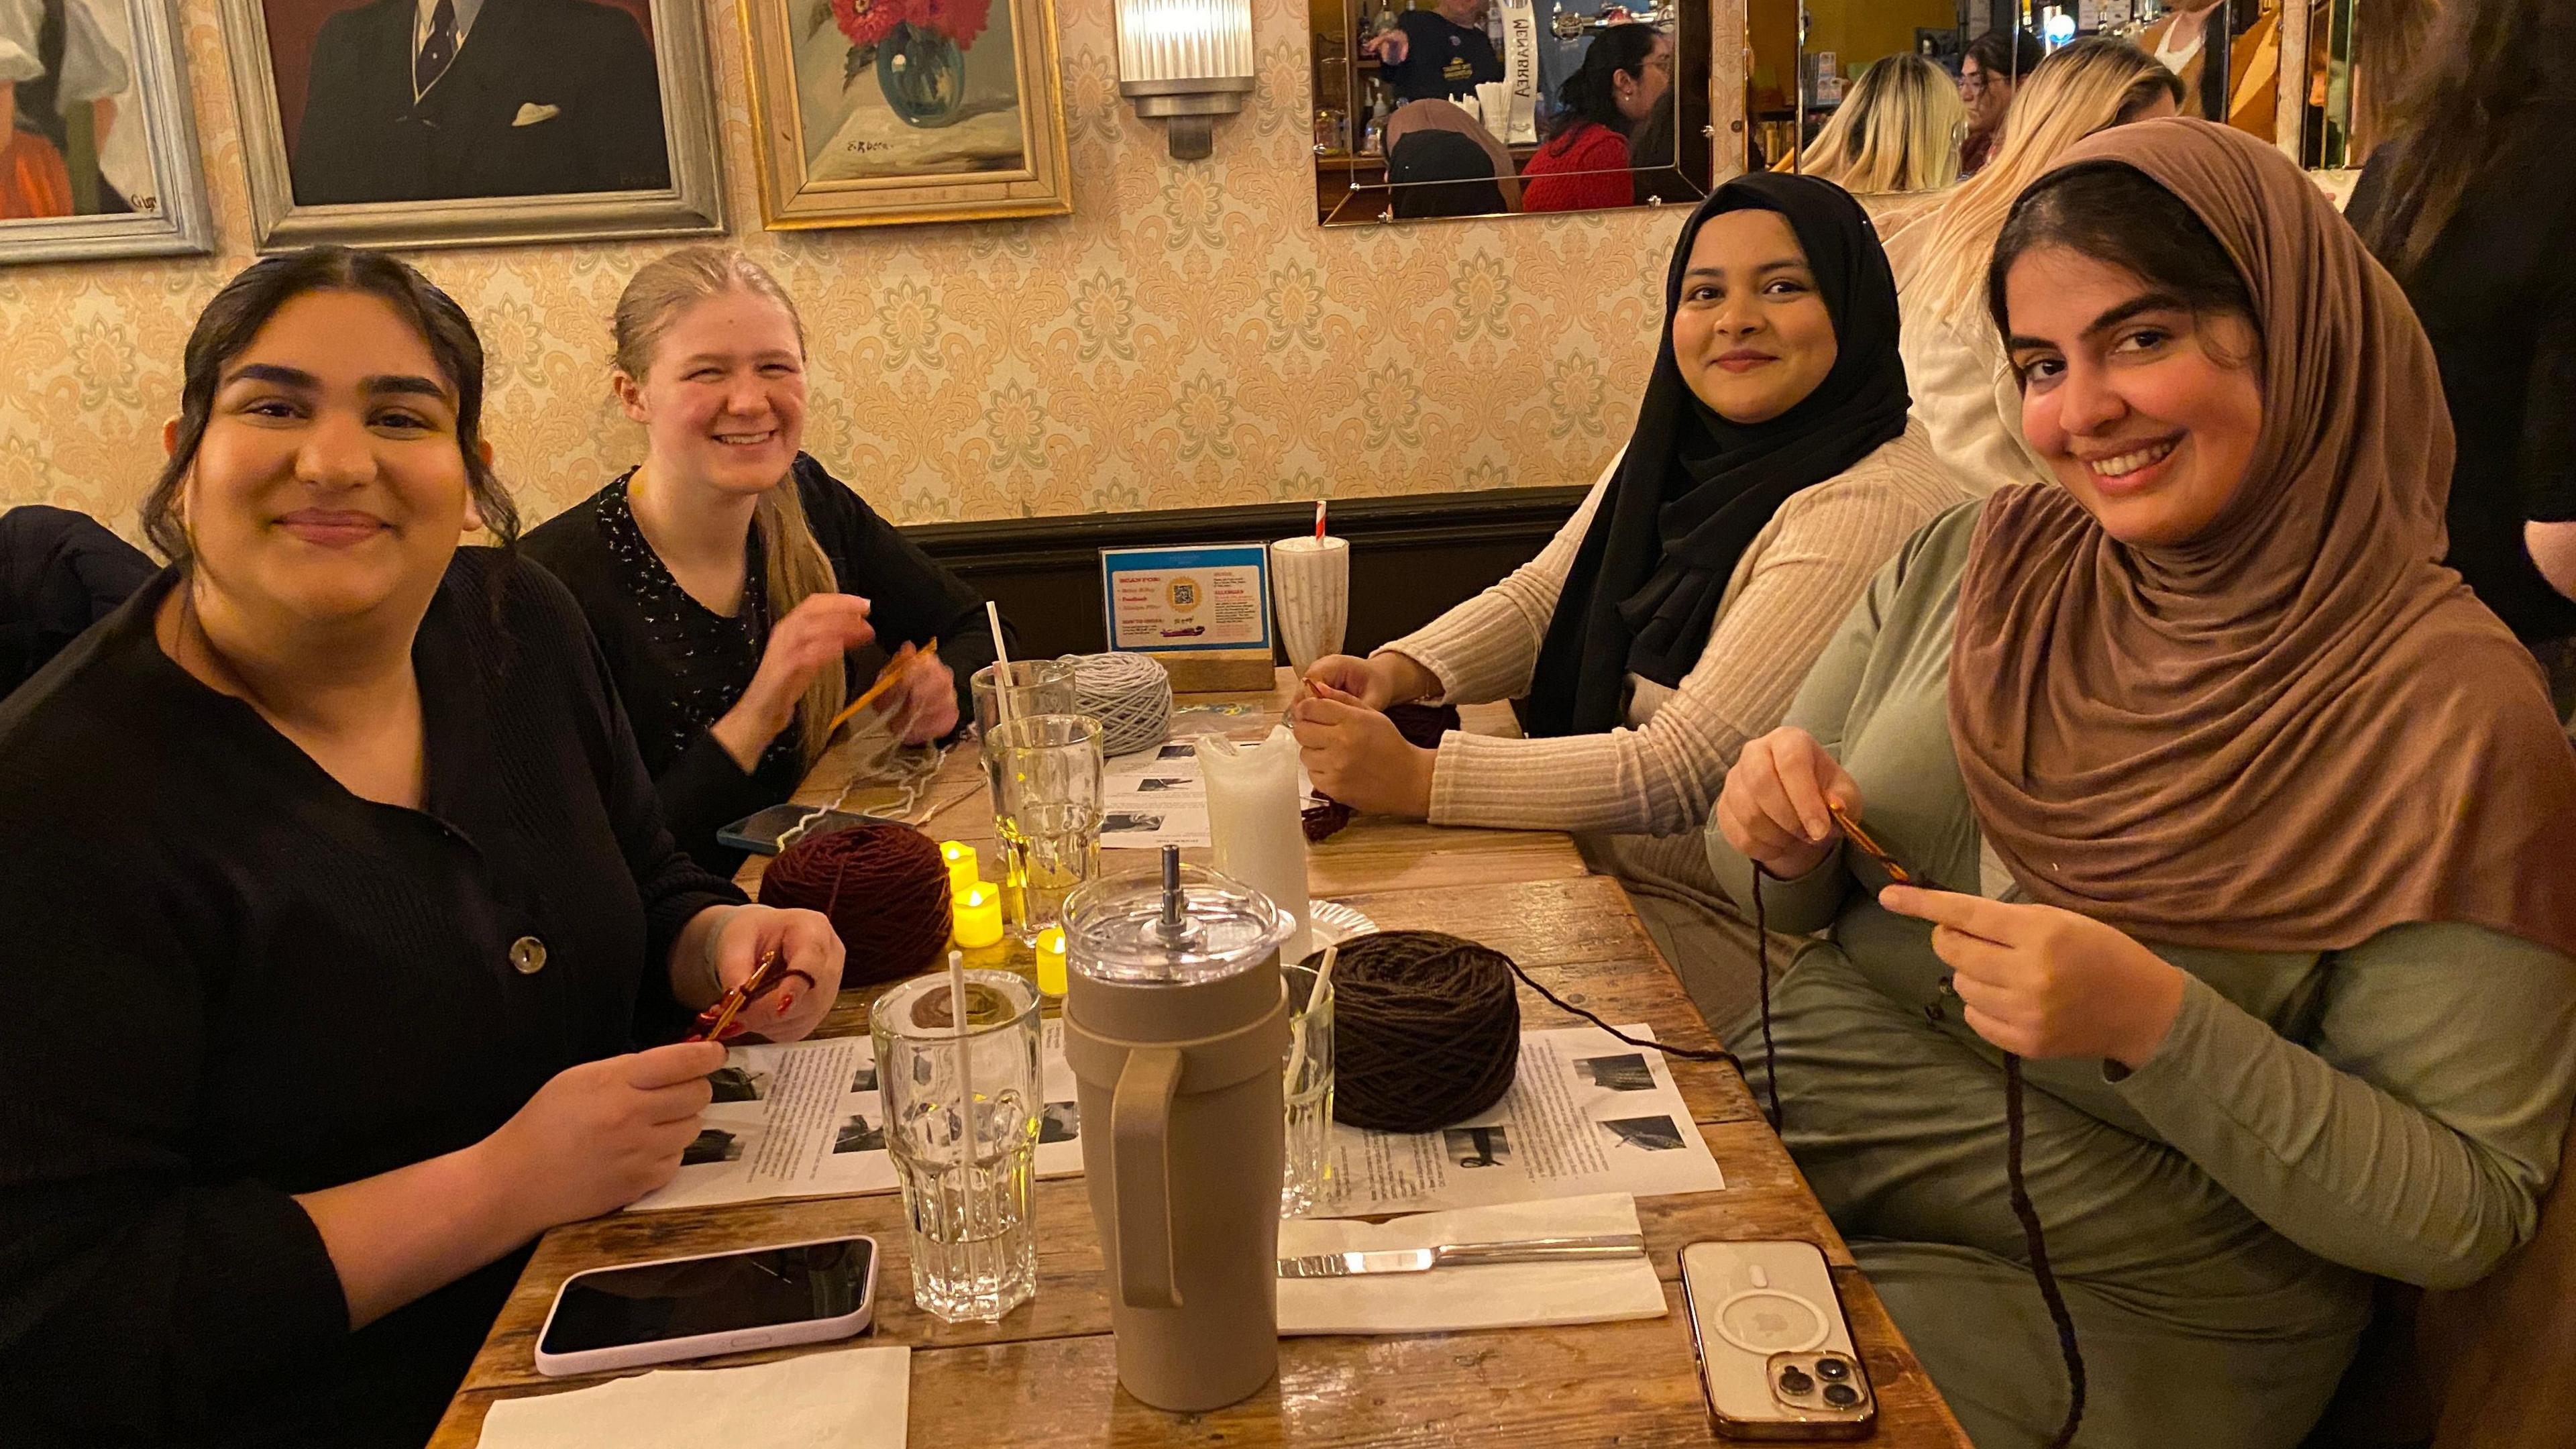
(961, 866)
(979, 917)
(1050, 949)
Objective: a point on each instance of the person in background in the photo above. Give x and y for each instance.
(2180, 42)
(1654, 155)
(2253, 828)
(728, 576)
(337, 838)
(1437, 54)
(1584, 160)
(1439, 172)
(1417, 117)
(2473, 207)
(1966, 395)
(1771, 471)
(1990, 74)
(1899, 131)
(60, 572)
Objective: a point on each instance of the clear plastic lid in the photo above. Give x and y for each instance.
(1179, 926)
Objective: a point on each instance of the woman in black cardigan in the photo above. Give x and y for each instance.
(337, 902)
(729, 575)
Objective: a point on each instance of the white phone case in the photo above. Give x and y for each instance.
(1749, 1301)
(668, 1350)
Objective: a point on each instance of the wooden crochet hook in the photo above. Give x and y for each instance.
(886, 677)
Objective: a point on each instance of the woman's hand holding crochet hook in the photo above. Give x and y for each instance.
(2041, 982)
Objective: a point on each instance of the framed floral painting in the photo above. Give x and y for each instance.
(872, 112)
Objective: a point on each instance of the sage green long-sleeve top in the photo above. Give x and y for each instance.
(2394, 1108)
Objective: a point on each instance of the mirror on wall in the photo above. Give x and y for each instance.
(1452, 108)
(2358, 56)
(1906, 97)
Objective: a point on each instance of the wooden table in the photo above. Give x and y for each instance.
(1046, 1374)
(1375, 853)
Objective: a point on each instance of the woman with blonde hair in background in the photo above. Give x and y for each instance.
(1965, 394)
(1899, 131)
(728, 576)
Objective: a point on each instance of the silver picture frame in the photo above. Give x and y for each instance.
(692, 205)
(173, 220)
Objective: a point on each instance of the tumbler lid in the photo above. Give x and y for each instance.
(1178, 926)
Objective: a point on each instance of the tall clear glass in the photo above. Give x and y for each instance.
(1306, 1182)
(962, 1114)
(1046, 814)
(1038, 686)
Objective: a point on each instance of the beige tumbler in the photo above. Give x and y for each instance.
(1176, 1027)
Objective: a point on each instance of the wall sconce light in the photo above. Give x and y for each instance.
(1187, 62)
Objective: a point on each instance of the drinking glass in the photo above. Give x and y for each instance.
(962, 1114)
(1306, 1183)
(1038, 686)
(1046, 777)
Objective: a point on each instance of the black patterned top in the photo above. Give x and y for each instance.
(712, 656)
(679, 666)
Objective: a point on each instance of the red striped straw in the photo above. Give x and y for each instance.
(1319, 520)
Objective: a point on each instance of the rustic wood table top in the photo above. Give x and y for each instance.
(1372, 853)
(1046, 1374)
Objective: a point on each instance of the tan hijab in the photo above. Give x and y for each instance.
(2299, 729)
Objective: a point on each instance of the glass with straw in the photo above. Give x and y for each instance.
(958, 1070)
(1306, 1183)
(1047, 803)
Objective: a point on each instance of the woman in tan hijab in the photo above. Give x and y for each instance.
(2257, 824)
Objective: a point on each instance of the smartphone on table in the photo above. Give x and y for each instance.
(1775, 1356)
(678, 1308)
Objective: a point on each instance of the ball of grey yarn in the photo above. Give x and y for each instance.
(1131, 696)
(1426, 1030)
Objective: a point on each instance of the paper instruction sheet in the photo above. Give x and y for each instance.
(1587, 1114)
(804, 1120)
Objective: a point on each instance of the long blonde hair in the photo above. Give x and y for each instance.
(1899, 130)
(2087, 86)
(796, 566)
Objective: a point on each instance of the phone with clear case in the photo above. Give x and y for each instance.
(1776, 1358)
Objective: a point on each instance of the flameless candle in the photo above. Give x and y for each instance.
(1050, 948)
(961, 866)
(979, 917)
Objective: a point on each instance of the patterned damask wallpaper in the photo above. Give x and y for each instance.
(1189, 337)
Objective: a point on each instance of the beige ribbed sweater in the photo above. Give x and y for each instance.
(1965, 395)
(1659, 775)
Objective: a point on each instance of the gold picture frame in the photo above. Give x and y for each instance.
(690, 202)
(862, 118)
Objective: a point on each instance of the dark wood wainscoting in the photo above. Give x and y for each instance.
(1411, 557)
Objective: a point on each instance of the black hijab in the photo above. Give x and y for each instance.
(1694, 488)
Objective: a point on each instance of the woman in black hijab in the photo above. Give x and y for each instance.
(1771, 472)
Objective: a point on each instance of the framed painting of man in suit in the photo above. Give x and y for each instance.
(98, 153)
(876, 111)
(467, 122)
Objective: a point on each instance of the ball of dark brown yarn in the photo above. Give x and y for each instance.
(1426, 1030)
(883, 885)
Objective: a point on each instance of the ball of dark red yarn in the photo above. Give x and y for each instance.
(885, 888)
(1426, 1030)
(1422, 725)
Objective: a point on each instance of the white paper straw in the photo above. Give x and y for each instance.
(965, 1052)
(1001, 664)
(1314, 993)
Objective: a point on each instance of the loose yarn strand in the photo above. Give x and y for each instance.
(2037, 1242)
(1762, 984)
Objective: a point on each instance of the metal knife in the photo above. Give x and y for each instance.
(1423, 1260)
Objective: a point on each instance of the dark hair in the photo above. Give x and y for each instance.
(2011, 54)
(1442, 173)
(246, 304)
(2485, 60)
(2114, 213)
(1591, 93)
(1654, 153)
